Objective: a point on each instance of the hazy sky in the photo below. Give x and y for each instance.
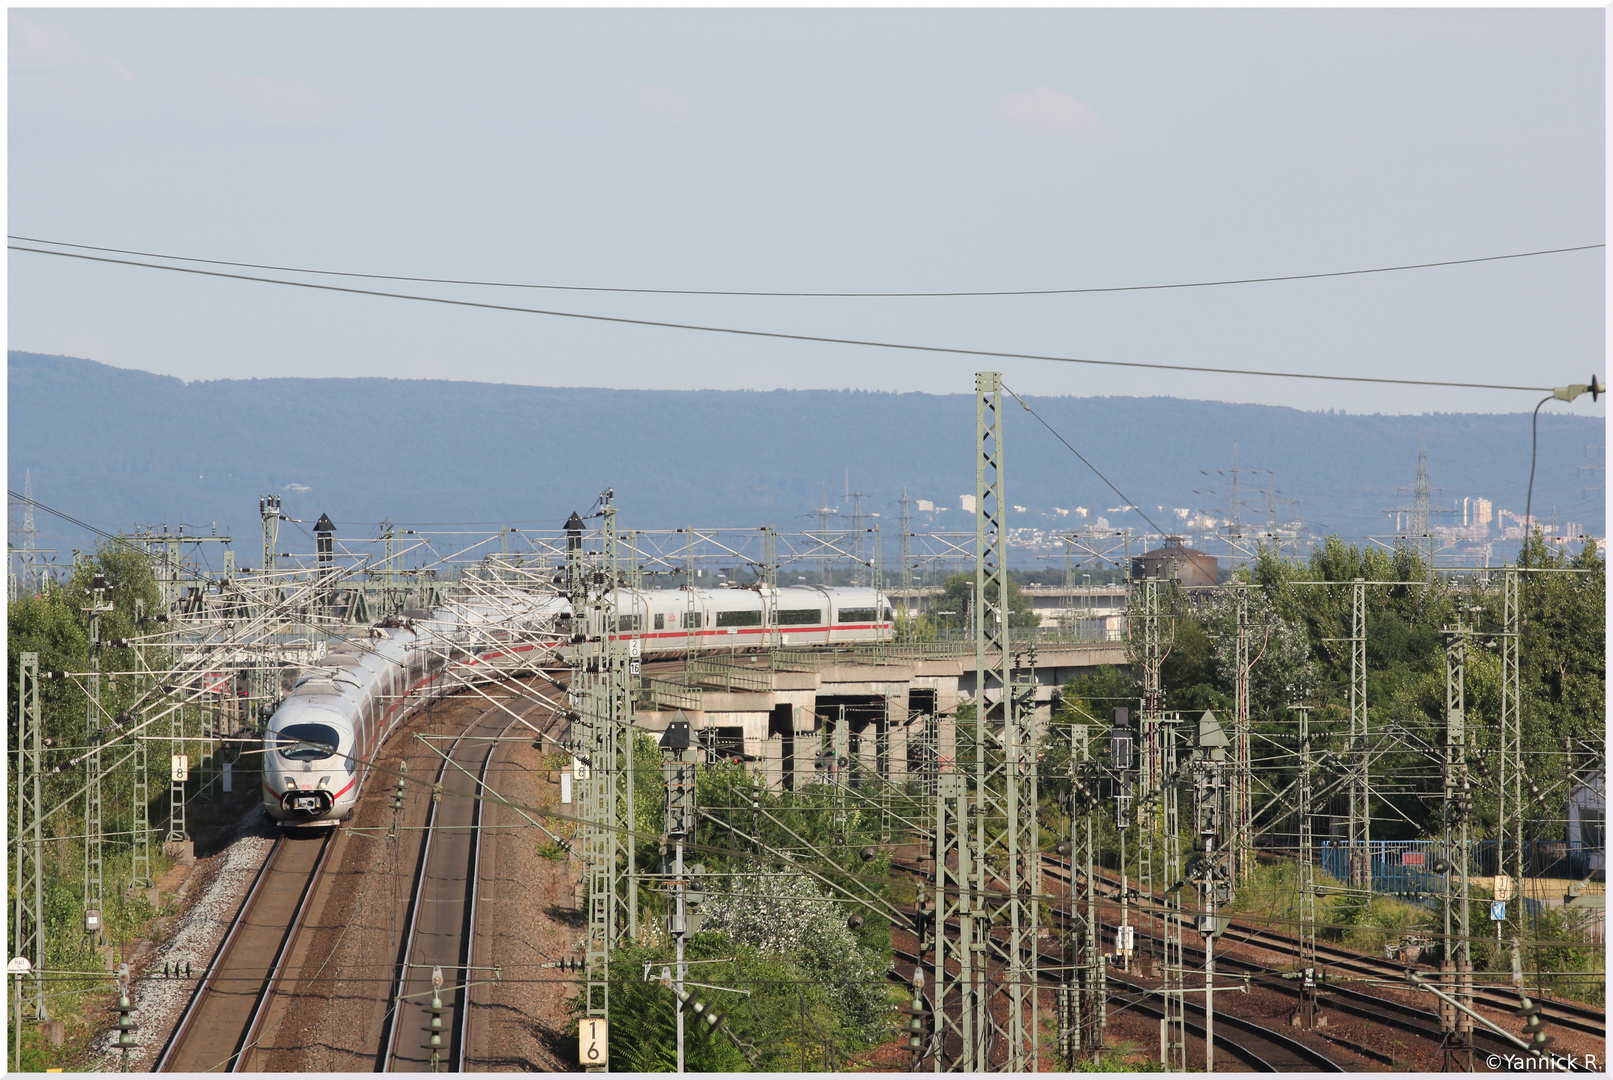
(824, 150)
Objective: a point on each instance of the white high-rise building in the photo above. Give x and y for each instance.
(1477, 514)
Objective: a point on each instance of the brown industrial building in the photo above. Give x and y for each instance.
(1174, 559)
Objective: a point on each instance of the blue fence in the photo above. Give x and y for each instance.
(1404, 868)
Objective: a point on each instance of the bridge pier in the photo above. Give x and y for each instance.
(774, 713)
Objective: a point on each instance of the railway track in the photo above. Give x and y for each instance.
(1259, 1047)
(1565, 1014)
(1422, 1023)
(1263, 1049)
(221, 1024)
(434, 965)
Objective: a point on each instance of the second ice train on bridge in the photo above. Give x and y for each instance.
(343, 707)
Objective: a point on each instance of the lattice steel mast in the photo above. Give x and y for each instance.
(1360, 838)
(1005, 787)
(28, 883)
(593, 690)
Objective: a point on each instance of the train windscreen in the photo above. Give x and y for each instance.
(306, 742)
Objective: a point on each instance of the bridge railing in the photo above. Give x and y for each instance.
(732, 676)
(656, 694)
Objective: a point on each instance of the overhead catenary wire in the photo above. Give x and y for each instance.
(1125, 499)
(778, 335)
(806, 294)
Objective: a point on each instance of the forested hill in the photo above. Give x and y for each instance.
(116, 447)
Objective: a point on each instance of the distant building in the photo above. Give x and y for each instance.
(1587, 824)
(1477, 515)
(1174, 559)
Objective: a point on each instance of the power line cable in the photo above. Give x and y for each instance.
(75, 521)
(1124, 498)
(849, 295)
(781, 336)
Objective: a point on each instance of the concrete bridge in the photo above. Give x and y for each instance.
(793, 715)
(1096, 605)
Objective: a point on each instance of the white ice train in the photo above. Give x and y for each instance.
(343, 707)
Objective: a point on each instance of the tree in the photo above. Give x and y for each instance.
(1093, 698)
(958, 599)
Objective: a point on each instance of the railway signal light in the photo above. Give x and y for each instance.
(1532, 1027)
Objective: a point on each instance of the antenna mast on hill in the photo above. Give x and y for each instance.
(857, 549)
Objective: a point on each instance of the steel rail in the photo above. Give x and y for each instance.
(1417, 1022)
(1411, 1019)
(1565, 1014)
(243, 1042)
(389, 1030)
(182, 1026)
(462, 1012)
(460, 1023)
(277, 965)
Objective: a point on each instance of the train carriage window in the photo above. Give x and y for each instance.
(856, 614)
(691, 620)
(660, 621)
(627, 623)
(739, 618)
(800, 617)
(306, 742)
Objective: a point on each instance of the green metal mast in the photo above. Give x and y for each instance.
(1360, 838)
(598, 674)
(1005, 782)
(28, 836)
(94, 820)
